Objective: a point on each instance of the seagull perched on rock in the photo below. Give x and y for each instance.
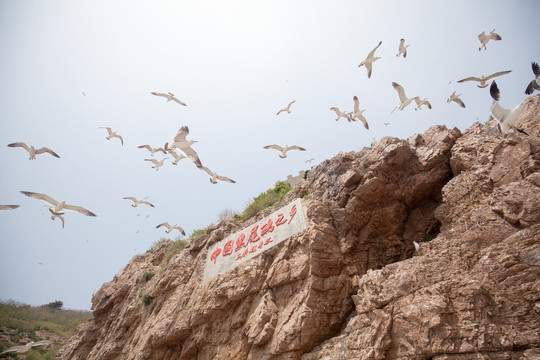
(484, 79)
(484, 38)
(151, 149)
(184, 146)
(214, 177)
(138, 202)
(506, 117)
(419, 102)
(455, 98)
(284, 150)
(403, 99)
(8, 207)
(23, 349)
(58, 207)
(169, 97)
(370, 59)
(287, 108)
(357, 113)
(535, 84)
(402, 50)
(32, 151)
(340, 114)
(112, 134)
(171, 228)
(157, 164)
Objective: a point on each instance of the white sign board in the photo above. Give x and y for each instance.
(255, 239)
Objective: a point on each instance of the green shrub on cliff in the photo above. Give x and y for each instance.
(265, 199)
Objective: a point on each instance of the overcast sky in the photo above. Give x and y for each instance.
(69, 67)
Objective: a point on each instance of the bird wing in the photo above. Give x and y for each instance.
(356, 107)
(160, 94)
(42, 197)
(280, 111)
(494, 36)
(494, 91)
(494, 75)
(363, 120)
(79, 209)
(372, 52)
(289, 106)
(498, 112)
(401, 42)
(470, 78)
(428, 104)
(191, 154)
(178, 101)
(179, 229)
(295, 147)
(20, 144)
(121, 140)
(166, 224)
(369, 67)
(154, 161)
(160, 149)
(224, 178)
(482, 37)
(530, 88)
(46, 149)
(417, 100)
(181, 135)
(42, 343)
(273, 146)
(208, 171)
(8, 207)
(109, 130)
(145, 147)
(400, 91)
(131, 198)
(459, 102)
(336, 110)
(147, 203)
(535, 69)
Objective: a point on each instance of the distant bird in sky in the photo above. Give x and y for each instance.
(171, 228)
(176, 157)
(370, 59)
(386, 123)
(484, 38)
(32, 151)
(137, 202)
(23, 349)
(403, 99)
(284, 150)
(169, 97)
(340, 114)
(402, 50)
(535, 84)
(455, 98)
(112, 134)
(58, 206)
(8, 207)
(184, 146)
(506, 117)
(151, 149)
(357, 113)
(287, 108)
(484, 79)
(157, 164)
(419, 102)
(214, 177)
(309, 160)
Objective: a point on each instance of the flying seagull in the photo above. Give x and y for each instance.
(402, 48)
(58, 207)
(357, 113)
(169, 97)
(112, 134)
(403, 99)
(419, 102)
(138, 202)
(171, 228)
(284, 150)
(506, 117)
(287, 108)
(157, 164)
(176, 157)
(535, 84)
(370, 59)
(151, 149)
(214, 176)
(184, 146)
(8, 207)
(309, 160)
(455, 98)
(340, 114)
(484, 79)
(484, 38)
(32, 151)
(23, 349)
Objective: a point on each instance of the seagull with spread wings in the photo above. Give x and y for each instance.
(183, 145)
(404, 101)
(370, 59)
(284, 150)
(138, 202)
(171, 228)
(214, 176)
(484, 38)
(419, 102)
(157, 164)
(535, 84)
(484, 79)
(340, 114)
(357, 113)
(23, 349)
(169, 97)
(506, 117)
(151, 149)
(455, 98)
(112, 134)
(287, 108)
(57, 207)
(32, 151)
(402, 50)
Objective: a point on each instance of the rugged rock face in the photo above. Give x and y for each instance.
(351, 285)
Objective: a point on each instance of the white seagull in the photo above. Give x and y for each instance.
(169, 97)
(176, 157)
(402, 48)
(484, 38)
(357, 113)
(138, 202)
(455, 98)
(370, 59)
(171, 228)
(8, 207)
(151, 149)
(184, 146)
(309, 160)
(506, 117)
(23, 349)
(287, 108)
(214, 176)
(484, 79)
(403, 99)
(112, 134)
(419, 102)
(284, 150)
(157, 164)
(340, 114)
(32, 151)
(535, 84)
(58, 207)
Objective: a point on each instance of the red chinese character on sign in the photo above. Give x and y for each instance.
(293, 212)
(240, 242)
(267, 227)
(260, 245)
(253, 248)
(280, 220)
(253, 237)
(215, 254)
(228, 248)
(269, 240)
(245, 253)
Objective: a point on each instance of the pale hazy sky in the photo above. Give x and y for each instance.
(235, 63)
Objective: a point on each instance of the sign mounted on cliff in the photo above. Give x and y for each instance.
(254, 239)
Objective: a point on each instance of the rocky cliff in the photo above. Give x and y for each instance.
(352, 285)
